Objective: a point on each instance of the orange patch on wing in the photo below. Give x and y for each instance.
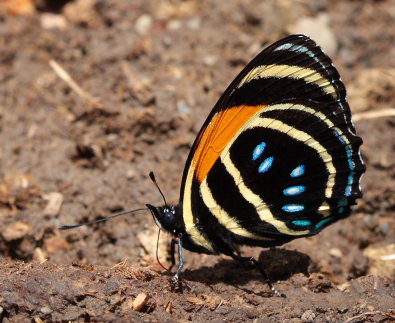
(218, 134)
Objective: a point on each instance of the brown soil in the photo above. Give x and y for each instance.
(151, 72)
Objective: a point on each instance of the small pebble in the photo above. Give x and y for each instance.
(140, 301)
(194, 23)
(167, 41)
(174, 25)
(183, 107)
(130, 173)
(45, 310)
(169, 308)
(308, 316)
(384, 228)
(210, 60)
(39, 255)
(53, 21)
(334, 252)
(55, 201)
(111, 288)
(112, 137)
(143, 24)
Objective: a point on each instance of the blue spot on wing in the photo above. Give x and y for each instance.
(322, 222)
(265, 165)
(341, 204)
(294, 190)
(302, 223)
(258, 150)
(351, 163)
(293, 208)
(349, 184)
(298, 171)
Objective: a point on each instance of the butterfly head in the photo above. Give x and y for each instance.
(165, 217)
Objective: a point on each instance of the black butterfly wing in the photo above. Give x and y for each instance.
(296, 166)
(286, 113)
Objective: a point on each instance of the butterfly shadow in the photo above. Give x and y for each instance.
(279, 264)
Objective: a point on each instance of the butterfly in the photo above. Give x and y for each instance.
(277, 158)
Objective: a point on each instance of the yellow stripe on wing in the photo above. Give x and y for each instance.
(293, 72)
(190, 226)
(223, 217)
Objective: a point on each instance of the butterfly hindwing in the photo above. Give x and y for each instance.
(301, 165)
(277, 157)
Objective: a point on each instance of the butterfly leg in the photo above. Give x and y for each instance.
(172, 254)
(180, 259)
(261, 270)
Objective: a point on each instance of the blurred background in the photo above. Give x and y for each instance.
(95, 94)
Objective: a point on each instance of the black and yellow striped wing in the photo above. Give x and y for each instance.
(278, 157)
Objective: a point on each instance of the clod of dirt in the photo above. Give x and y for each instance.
(88, 155)
(81, 12)
(15, 231)
(111, 288)
(359, 265)
(16, 190)
(308, 316)
(318, 283)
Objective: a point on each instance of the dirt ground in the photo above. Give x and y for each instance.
(147, 73)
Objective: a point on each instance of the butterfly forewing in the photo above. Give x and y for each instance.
(278, 157)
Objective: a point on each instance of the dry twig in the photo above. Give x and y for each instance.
(374, 114)
(364, 315)
(61, 72)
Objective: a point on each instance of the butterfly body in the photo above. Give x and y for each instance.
(276, 159)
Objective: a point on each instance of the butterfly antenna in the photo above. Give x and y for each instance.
(72, 226)
(157, 253)
(153, 179)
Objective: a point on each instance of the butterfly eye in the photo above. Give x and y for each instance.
(168, 219)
